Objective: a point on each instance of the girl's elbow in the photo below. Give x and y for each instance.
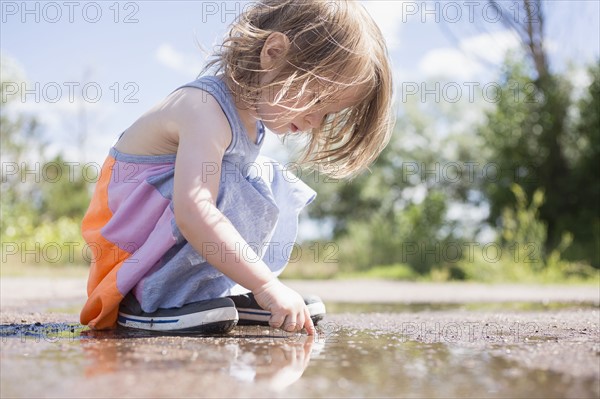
(183, 212)
(181, 222)
(189, 215)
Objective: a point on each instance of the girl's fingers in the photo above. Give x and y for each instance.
(277, 319)
(290, 324)
(308, 323)
(300, 322)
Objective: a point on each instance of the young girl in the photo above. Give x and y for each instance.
(190, 228)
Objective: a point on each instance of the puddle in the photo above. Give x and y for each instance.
(68, 360)
(348, 307)
(368, 364)
(37, 331)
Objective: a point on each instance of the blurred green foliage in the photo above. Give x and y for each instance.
(518, 254)
(543, 218)
(43, 199)
(532, 139)
(397, 220)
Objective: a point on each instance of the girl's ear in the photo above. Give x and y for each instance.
(276, 46)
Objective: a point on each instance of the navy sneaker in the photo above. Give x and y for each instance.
(250, 313)
(213, 316)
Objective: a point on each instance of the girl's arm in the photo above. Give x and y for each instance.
(204, 135)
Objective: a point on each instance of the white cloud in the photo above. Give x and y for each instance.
(61, 113)
(79, 130)
(490, 47)
(187, 64)
(388, 16)
(581, 80)
(12, 70)
(471, 58)
(580, 77)
(449, 62)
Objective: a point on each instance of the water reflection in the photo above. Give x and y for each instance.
(63, 361)
(278, 365)
(350, 307)
(370, 363)
(251, 355)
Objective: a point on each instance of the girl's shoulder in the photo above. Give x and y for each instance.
(194, 112)
(186, 110)
(245, 132)
(214, 92)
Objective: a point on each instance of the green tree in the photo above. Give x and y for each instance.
(20, 142)
(584, 221)
(42, 201)
(396, 213)
(534, 140)
(64, 191)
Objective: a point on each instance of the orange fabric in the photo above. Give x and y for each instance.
(101, 308)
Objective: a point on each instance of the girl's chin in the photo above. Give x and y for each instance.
(280, 130)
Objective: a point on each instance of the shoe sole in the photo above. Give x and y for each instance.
(252, 316)
(210, 321)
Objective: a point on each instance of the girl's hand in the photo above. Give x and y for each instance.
(288, 310)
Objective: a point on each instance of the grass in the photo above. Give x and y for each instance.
(311, 270)
(305, 270)
(12, 269)
(402, 272)
(396, 271)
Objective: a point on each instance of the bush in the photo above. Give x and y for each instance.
(521, 246)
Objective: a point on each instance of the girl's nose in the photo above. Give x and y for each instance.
(315, 119)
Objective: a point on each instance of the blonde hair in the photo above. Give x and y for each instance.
(333, 45)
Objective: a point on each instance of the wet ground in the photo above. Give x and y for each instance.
(502, 347)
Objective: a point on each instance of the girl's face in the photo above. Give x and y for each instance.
(280, 120)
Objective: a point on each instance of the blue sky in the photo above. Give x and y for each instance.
(146, 49)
